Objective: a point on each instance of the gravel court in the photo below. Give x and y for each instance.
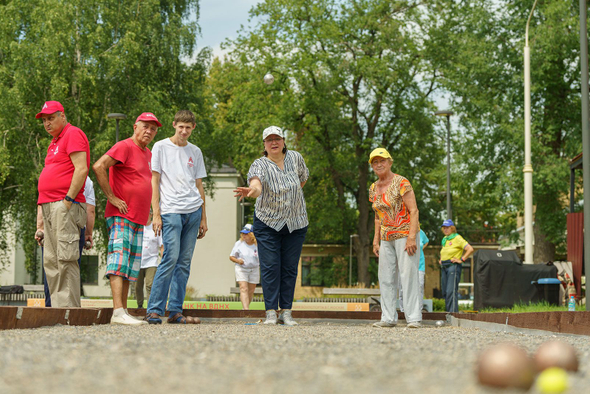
(231, 356)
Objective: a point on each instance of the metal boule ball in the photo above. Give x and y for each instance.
(557, 354)
(269, 78)
(88, 245)
(439, 323)
(40, 234)
(505, 365)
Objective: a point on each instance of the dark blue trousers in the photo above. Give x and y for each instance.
(450, 278)
(279, 253)
(45, 287)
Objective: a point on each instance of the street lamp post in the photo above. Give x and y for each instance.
(528, 168)
(118, 117)
(448, 115)
(350, 261)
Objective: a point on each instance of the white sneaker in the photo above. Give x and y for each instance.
(383, 324)
(286, 318)
(415, 324)
(271, 317)
(127, 320)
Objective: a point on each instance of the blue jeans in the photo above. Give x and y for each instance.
(279, 253)
(179, 234)
(45, 287)
(451, 276)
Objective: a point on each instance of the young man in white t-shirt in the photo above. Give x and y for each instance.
(178, 204)
(150, 256)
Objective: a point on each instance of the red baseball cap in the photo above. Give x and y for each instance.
(148, 117)
(50, 107)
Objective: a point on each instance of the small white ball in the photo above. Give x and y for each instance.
(269, 78)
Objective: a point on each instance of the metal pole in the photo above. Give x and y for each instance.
(528, 168)
(117, 132)
(350, 265)
(449, 211)
(350, 261)
(585, 138)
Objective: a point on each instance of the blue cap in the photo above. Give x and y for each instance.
(247, 229)
(448, 223)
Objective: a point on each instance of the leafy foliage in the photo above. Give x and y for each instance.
(95, 57)
(350, 76)
(484, 73)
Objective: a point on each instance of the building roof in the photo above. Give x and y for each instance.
(224, 169)
(576, 162)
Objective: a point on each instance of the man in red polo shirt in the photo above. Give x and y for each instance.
(61, 197)
(128, 188)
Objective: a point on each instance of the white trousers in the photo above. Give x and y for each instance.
(422, 276)
(396, 266)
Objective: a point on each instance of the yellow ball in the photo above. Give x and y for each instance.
(552, 380)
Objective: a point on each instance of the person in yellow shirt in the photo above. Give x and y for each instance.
(455, 251)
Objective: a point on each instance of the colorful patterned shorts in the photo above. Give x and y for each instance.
(124, 250)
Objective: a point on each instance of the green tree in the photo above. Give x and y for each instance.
(95, 57)
(350, 76)
(482, 66)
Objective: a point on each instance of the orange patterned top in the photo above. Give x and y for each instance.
(391, 210)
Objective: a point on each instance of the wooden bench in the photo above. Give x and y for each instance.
(344, 291)
(372, 294)
(34, 288)
(236, 290)
(29, 291)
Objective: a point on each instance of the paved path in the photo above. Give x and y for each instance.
(234, 357)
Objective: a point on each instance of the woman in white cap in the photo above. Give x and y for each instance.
(280, 221)
(245, 256)
(396, 229)
(455, 250)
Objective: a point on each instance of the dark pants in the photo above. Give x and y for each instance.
(451, 276)
(279, 253)
(45, 287)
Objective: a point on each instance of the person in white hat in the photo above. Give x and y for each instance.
(245, 256)
(280, 221)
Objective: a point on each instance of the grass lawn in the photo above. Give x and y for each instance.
(543, 306)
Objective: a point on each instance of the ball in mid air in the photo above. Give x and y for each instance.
(269, 78)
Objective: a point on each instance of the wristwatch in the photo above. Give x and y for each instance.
(68, 198)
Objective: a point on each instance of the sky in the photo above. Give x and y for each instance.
(221, 19)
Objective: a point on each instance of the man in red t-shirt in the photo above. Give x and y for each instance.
(61, 197)
(128, 188)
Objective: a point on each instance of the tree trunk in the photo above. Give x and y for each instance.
(363, 227)
(544, 250)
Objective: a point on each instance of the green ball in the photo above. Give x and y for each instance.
(552, 380)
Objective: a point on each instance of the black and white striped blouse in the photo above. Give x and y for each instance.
(281, 201)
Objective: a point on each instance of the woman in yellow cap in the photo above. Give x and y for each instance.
(396, 228)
